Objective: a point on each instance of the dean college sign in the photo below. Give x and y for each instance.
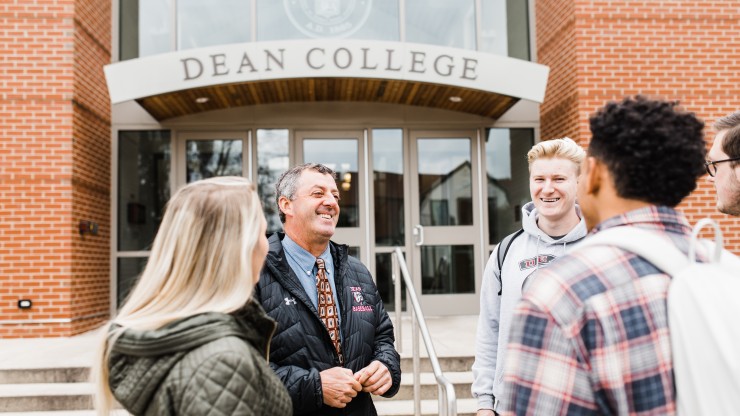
(324, 58)
(327, 18)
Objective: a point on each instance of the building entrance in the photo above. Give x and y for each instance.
(444, 196)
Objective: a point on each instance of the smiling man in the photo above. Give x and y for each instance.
(550, 222)
(333, 346)
(723, 164)
(591, 335)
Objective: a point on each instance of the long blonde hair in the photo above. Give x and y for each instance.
(201, 261)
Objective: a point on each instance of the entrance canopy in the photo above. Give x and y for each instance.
(195, 80)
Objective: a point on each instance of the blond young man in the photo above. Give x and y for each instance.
(591, 335)
(551, 222)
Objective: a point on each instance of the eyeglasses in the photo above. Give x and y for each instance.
(712, 165)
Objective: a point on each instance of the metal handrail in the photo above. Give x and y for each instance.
(445, 387)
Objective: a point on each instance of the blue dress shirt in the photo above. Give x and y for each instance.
(303, 264)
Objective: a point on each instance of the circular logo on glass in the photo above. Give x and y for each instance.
(328, 18)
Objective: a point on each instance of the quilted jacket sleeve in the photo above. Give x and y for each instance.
(384, 350)
(304, 387)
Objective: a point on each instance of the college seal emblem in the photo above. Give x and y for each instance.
(328, 18)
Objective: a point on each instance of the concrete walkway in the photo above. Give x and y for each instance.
(453, 336)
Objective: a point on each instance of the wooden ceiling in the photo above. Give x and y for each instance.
(181, 103)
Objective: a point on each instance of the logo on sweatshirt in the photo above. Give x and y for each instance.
(542, 259)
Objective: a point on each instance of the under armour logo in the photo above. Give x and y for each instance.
(289, 301)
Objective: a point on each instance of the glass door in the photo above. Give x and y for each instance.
(205, 155)
(445, 221)
(343, 152)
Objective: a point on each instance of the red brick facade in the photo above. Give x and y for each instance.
(602, 50)
(55, 166)
(55, 126)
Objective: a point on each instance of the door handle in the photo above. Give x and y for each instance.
(419, 233)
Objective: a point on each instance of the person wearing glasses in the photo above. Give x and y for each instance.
(723, 164)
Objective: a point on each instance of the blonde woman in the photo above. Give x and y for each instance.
(184, 343)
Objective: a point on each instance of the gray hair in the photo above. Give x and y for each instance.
(288, 182)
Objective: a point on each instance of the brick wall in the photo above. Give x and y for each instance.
(54, 164)
(91, 170)
(601, 50)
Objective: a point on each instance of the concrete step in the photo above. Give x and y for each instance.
(44, 375)
(81, 374)
(45, 397)
(428, 386)
(454, 364)
(465, 407)
(60, 391)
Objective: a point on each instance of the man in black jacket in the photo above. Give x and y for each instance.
(326, 372)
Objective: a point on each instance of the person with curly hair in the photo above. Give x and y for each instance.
(591, 335)
(723, 163)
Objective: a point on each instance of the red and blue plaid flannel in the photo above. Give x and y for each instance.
(590, 335)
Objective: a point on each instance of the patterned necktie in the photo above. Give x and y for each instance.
(327, 308)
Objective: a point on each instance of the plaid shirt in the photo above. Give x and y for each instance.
(590, 336)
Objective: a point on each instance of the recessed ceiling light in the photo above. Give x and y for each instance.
(455, 99)
(202, 100)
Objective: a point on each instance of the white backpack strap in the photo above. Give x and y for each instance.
(657, 250)
(717, 254)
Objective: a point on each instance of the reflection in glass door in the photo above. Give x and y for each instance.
(445, 221)
(208, 155)
(342, 152)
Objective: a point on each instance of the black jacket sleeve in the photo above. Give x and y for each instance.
(384, 350)
(303, 385)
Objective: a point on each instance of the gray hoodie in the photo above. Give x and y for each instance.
(529, 252)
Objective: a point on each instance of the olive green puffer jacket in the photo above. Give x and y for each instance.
(207, 364)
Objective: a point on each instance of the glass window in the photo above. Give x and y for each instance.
(128, 22)
(272, 161)
(384, 281)
(341, 156)
(213, 22)
(441, 22)
(493, 33)
(129, 270)
(299, 19)
(517, 15)
(445, 182)
(143, 186)
(447, 270)
(354, 251)
(209, 158)
(388, 187)
(145, 28)
(507, 179)
(155, 27)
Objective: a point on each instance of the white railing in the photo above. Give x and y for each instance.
(446, 396)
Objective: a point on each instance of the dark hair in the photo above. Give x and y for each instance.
(731, 141)
(654, 151)
(288, 182)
